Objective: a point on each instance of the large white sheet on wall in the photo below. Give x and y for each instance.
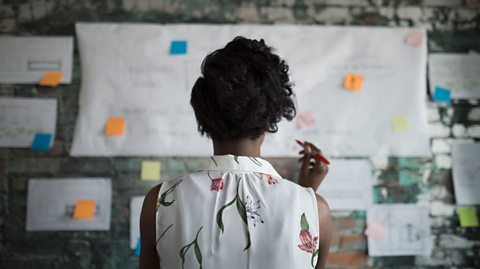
(127, 71)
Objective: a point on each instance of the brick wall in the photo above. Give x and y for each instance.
(453, 26)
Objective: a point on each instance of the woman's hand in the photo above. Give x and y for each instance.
(313, 171)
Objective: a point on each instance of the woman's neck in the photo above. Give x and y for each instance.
(240, 147)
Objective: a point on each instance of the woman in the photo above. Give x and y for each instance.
(239, 212)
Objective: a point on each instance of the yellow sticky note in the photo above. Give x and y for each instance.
(151, 170)
(400, 123)
(468, 217)
(84, 209)
(51, 78)
(353, 82)
(115, 126)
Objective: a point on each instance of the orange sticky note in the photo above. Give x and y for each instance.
(353, 82)
(115, 126)
(51, 78)
(84, 209)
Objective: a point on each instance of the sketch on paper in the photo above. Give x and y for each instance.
(466, 173)
(407, 230)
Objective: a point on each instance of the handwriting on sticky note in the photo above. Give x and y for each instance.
(151, 170)
(115, 126)
(468, 217)
(51, 78)
(442, 95)
(400, 123)
(306, 120)
(178, 47)
(41, 142)
(376, 230)
(353, 82)
(84, 209)
(414, 38)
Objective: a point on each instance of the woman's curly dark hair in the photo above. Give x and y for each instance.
(244, 91)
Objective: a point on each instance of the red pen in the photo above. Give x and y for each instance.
(315, 153)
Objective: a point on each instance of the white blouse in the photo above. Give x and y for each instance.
(236, 213)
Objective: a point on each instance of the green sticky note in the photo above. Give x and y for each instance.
(151, 170)
(468, 217)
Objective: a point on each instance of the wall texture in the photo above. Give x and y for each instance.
(453, 26)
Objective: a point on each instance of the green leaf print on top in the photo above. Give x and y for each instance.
(163, 197)
(197, 251)
(241, 211)
(308, 242)
(255, 161)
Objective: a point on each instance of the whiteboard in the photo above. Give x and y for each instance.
(22, 118)
(127, 71)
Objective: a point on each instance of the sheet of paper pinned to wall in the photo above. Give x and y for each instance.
(22, 118)
(466, 173)
(132, 74)
(407, 230)
(51, 204)
(456, 72)
(135, 209)
(27, 59)
(348, 185)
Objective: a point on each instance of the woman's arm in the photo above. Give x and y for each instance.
(326, 230)
(148, 251)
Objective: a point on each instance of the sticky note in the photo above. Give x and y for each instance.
(178, 47)
(414, 38)
(442, 95)
(400, 123)
(115, 126)
(137, 248)
(151, 170)
(51, 78)
(468, 217)
(305, 120)
(353, 82)
(376, 230)
(41, 142)
(84, 209)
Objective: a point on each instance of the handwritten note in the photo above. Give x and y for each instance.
(400, 123)
(353, 82)
(376, 230)
(115, 126)
(306, 120)
(414, 38)
(178, 47)
(51, 78)
(84, 209)
(442, 95)
(468, 217)
(41, 142)
(151, 170)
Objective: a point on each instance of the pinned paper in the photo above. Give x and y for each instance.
(41, 142)
(442, 95)
(51, 78)
(468, 217)
(306, 120)
(137, 249)
(400, 124)
(376, 230)
(353, 82)
(414, 38)
(151, 170)
(115, 126)
(178, 47)
(84, 209)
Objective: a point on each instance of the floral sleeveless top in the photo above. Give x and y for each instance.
(237, 213)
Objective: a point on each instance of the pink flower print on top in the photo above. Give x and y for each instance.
(217, 184)
(309, 242)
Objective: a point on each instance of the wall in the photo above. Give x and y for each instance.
(453, 26)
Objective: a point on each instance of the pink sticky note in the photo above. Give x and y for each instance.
(306, 120)
(414, 38)
(376, 230)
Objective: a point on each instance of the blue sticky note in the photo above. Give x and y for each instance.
(41, 142)
(137, 248)
(178, 47)
(442, 95)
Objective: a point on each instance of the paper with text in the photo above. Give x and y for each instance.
(466, 173)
